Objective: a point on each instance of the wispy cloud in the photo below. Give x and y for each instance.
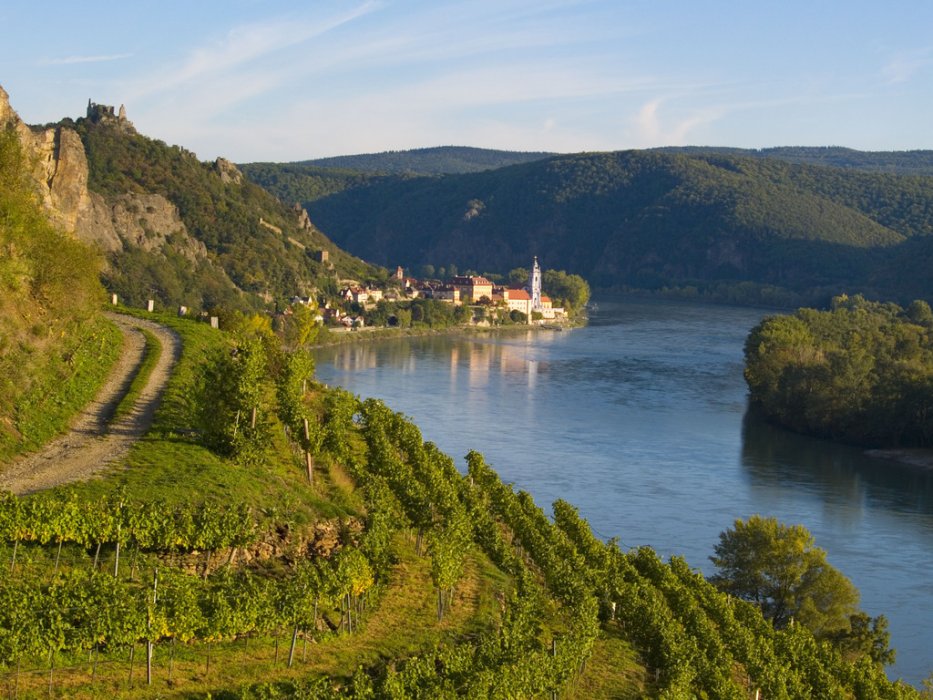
(650, 130)
(71, 60)
(904, 65)
(242, 46)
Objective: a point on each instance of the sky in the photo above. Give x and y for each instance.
(269, 80)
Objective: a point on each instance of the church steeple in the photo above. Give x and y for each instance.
(535, 286)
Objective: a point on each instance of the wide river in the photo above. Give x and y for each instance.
(639, 419)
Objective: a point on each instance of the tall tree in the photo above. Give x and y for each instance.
(779, 568)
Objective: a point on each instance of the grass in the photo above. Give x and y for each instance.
(151, 354)
(168, 463)
(61, 385)
(612, 672)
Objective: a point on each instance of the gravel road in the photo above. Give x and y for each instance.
(94, 441)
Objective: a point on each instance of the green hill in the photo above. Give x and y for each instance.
(55, 346)
(439, 160)
(651, 220)
(917, 162)
(254, 243)
(305, 181)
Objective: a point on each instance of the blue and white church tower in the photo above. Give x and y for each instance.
(534, 287)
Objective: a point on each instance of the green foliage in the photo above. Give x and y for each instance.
(223, 215)
(861, 372)
(888, 162)
(233, 401)
(779, 568)
(55, 349)
(653, 220)
(569, 291)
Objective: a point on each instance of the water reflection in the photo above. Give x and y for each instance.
(472, 360)
(775, 458)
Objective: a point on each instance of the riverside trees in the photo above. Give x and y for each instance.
(779, 568)
(861, 372)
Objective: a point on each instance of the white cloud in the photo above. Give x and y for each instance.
(71, 60)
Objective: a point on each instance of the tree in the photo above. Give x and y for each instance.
(779, 568)
(518, 276)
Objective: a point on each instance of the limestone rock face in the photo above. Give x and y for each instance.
(304, 221)
(229, 173)
(61, 173)
(150, 221)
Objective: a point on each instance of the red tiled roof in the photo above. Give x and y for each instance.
(518, 295)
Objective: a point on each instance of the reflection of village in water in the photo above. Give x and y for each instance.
(517, 353)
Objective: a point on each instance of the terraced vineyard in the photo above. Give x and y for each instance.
(323, 549)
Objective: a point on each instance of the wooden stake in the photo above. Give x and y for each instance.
(309, 460)
(291, 651)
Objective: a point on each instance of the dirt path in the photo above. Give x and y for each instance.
(93, 442)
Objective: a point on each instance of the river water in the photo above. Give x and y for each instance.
(640, 420)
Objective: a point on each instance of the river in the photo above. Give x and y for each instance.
(640, 420)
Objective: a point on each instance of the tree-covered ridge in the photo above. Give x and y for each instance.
(861, 372)
(439, 160)
(257, 241)
(915, 162)
(654, 220)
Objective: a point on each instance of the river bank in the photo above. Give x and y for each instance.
(342, 337)
(919, 457)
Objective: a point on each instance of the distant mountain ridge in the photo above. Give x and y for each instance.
(439, 160)
(654, 219)
(915, 162)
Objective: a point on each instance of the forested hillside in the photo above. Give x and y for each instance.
(759, 230)
(430, 161)
(253, 242)
(889, 162)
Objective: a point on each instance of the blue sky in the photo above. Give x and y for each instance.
(272, 80)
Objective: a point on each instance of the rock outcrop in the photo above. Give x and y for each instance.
(60, 169)
(229, 173)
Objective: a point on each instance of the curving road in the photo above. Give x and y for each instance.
(94, 441)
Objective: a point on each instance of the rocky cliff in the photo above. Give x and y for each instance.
(60, 169)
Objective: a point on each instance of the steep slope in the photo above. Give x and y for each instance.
(646, 219)
(267, 249)
(173, 228)
(54, 346)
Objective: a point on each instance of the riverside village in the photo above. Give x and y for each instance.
(468, 299)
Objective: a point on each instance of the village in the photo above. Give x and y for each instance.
(471, 300)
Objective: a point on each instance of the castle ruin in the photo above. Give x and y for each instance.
(99, 114)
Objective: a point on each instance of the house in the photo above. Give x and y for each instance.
(472, 288)
(445, 292)
(517, 300)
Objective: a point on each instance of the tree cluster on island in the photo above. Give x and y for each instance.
(860, 372)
